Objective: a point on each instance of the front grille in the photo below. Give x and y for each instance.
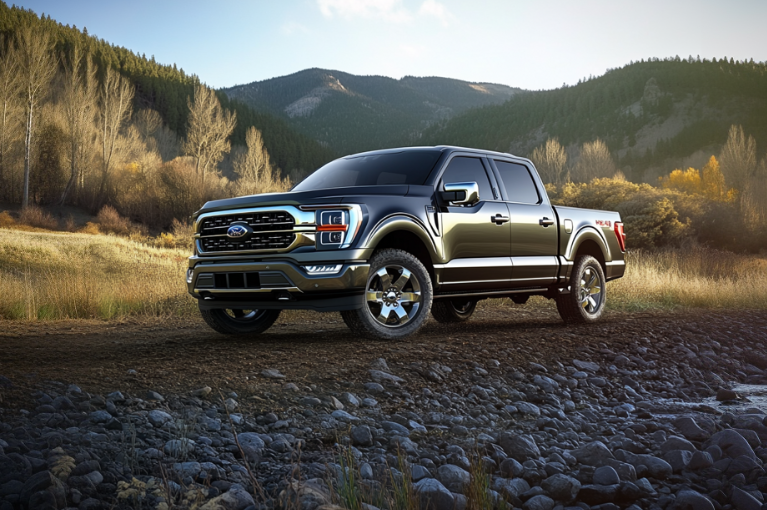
(258, 221)
(257, 241)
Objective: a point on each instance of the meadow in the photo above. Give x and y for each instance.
(54, 275)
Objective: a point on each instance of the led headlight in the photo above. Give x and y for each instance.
(189, 274)
(323, 269)
(332, 227)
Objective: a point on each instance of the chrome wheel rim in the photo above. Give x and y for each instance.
(393, 296)
(590, 294)
(244, 315)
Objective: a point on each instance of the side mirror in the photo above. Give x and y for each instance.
(460, 193)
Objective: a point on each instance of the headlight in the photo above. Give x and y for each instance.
(337, 228)
(189, 274)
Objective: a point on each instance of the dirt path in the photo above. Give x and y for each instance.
(177, 355)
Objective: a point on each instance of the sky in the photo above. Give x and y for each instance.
(536, 44)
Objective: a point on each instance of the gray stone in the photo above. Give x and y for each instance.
(515, 487)
(202, 392)
(100, 416)
(657, 468)
(369, 402)
(236, 498)
(540, 502)
(700, 460)
(691, 500)
(336, 404)
(511, 468)
(646, 486)
(361, 436)
(343, 416)
(561, 487)
(158, 418)
(732, 444)
(42, 500)
(418, 472)
(586, 366)
(382, 377)
(37, 482)
(606, 475)
(310, 401)
(154, 396)
(373, 387)
(593, 454)
(433, 495)
(179, 447)
(252, 445)
(678, 459)
(453, 477)
(272, 373)
(677, 443)
(191, 469)
(519, 447)
(690, 429)
(399, 443)
(350, 399)
(598, 494)
(94, 477)
(396, 428)
(742, 500)
(366, 471)
(725, 394)
(742, 464)
(527, 408)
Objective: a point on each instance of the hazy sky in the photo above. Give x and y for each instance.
(534, 44)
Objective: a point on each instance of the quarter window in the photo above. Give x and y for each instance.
(463, 169)
(518, 182)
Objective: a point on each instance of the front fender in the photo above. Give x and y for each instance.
(398, 223)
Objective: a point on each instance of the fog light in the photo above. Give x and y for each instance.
(323, 269)
(189, 274)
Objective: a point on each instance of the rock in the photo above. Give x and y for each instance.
(382, 377)
(366, 471)
(154, 396)
(646, 486)
(350, 399)
(540, 502)
(593, 454)
(100, 417)
(678, 459)
(562, 487)
(691, 500)
(91, 504)
(236, 498)
(369, 402)
(343, 416)
(586, 366)
(230, 404)
(373, 387)
(433, 495)
(202, 392)
(252, 445)
(511, 468)
(335, 403)
(453, 477)
(598, 494)
(179, 447)
(361, 436)
(399, 443)
(657, 468)
(190, 469)
(519, 447)
(700, 460)
(158, 418)
(42, 500)
(310, 401)
(742, 500)
(732, 444)
(311, 493)
(515, 487)
(742, 464)
(606, 475)
(418, 472)
(527, 408)
(396, 428)
(690, 429)
(94, 478)
(725, 394)
(677, 443)
(272, 373)
(36, 483)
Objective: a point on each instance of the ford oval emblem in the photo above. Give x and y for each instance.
(238, 230)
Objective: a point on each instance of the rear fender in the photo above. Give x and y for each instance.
(583, 235)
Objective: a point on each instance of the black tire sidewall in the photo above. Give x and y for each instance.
(568, 306)
(221, 322)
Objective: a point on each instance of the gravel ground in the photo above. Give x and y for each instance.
(637, 411)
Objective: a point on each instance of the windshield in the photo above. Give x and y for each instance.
(406, 167)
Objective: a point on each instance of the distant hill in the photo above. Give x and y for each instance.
(350, 113)
(166, 88)
(649, 113)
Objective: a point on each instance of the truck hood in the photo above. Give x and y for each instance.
(296, 198)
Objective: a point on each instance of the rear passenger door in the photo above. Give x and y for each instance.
(534, 239)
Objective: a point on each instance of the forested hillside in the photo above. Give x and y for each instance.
(350, 113)
(647, 112)
(165, 88)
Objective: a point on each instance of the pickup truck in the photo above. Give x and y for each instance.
(387, 237)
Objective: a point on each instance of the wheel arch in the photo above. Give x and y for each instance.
(407, 234)
(589, 242)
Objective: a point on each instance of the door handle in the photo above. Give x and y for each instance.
(499, 219)
(545, 222)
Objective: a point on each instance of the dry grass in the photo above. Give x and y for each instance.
(63, 275)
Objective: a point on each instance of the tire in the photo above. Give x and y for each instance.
(586, 300)
(239, 322)
(453, 310)
(395, 308)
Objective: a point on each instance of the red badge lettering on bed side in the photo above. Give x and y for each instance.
(604, 223)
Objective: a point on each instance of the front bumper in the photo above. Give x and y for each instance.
(276, 284)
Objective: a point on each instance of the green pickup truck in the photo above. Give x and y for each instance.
(387, 237)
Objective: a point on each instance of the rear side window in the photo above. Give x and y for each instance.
(463, 169)
(518, 182)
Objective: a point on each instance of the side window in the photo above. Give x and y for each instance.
(463, 169)
(519, 185)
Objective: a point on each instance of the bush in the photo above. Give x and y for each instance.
(110, 221)
(183, 233)
(6, 220)
(36, 217)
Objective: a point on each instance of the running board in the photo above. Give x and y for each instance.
(493, 293)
